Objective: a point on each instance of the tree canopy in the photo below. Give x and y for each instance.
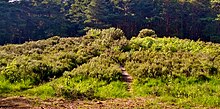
(26, 20)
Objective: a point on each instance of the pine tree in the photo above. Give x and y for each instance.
(101, 14)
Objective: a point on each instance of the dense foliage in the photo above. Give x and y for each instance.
(42, 60)
(171, 57)
(24, 20)
(88, 67)
(101, 51)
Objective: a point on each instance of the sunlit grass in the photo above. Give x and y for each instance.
(187, 91)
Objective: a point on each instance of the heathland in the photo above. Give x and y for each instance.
(178, 73)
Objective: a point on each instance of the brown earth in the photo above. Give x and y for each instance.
(35, 103)
(126, 78)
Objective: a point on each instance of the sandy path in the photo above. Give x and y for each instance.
(119, 103)
(126, 77)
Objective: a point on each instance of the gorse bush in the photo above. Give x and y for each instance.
(107, 39)
(77, 87)
(163, 57)
(147, 32)
(102, 68)
(171, 45)
(42, 60)
(108, 34)
(142, 56)
(159, 64)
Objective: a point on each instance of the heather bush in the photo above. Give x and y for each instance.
(147, 32)
(102, 68)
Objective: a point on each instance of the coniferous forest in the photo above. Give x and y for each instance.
(109, 54)
(27, 20)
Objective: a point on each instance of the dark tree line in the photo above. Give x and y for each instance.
(38, 19)
(30, 20)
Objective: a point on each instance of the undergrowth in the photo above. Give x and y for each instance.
(180, 72)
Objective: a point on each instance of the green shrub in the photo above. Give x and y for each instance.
(147, 32)
(112, 34)
(142, 64)
(77, 87)
(42, 60)
(102, 68)
(163, 57)
(93, 34)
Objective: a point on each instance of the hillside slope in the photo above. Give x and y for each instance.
(182, 72)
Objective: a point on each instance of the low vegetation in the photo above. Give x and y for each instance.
(175, 71)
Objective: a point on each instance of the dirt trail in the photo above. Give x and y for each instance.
(15, 102)
(150, 102)
(126, 77)
(31, 103)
